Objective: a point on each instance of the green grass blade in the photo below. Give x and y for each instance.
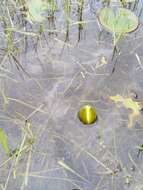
(3, 141)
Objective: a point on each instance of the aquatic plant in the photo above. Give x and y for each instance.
(37, 9)
(80, 17)
(67, 14)
(3, 141)
(121, 2)
(10, 49)
(119, 21)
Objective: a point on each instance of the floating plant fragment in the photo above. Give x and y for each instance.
(128, 103)
(3, 141)
(119, 20)
(102, 62)
(5, 99)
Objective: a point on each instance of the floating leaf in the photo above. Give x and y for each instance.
(36, 10)
(119, 20)
(128, 103)
(3, 141)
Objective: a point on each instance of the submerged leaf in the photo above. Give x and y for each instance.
(128, 103)
(3, 141)
(119, 20)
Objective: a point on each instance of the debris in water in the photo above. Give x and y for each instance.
(128, 103)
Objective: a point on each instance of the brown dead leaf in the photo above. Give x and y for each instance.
(128, 103)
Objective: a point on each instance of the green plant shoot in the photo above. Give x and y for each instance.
(3, 141)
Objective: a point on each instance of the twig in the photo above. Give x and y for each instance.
(139, 61)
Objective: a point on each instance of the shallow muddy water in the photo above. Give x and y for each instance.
(59, 74)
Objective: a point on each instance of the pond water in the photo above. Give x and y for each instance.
(44, 82)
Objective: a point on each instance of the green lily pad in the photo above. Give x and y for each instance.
(118, 21)
(36, 10)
